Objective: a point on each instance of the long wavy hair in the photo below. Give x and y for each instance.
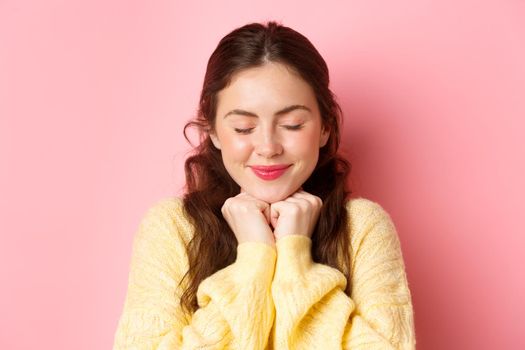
(208, 184)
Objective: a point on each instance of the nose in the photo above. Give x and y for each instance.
(268, 145)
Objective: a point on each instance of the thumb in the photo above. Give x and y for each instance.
(264, 208)
(266, 213)
(274, 214)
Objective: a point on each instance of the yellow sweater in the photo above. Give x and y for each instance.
(269, 298)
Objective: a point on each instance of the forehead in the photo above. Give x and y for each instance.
(272, 84)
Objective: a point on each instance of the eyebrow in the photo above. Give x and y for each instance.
(278, 113)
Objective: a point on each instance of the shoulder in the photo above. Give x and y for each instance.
(362, 210)
(165, 206)
(165, 219)
(164, 211)
(361, 204)
(368, 220)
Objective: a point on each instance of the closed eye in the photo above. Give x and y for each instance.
(243, 131)
(293, 127)
(288, 127)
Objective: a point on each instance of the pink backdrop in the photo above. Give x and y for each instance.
(94, 95)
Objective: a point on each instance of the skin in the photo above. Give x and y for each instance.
(265, 211)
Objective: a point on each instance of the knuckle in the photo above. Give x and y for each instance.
(295, 209)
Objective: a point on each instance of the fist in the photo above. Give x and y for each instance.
(295, 215)
(249, 218)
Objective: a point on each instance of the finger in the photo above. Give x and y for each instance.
(315, 200)
(275, 209)
(273, 223)
(302, 204)
(301, 194)
(261, 204)
(274, 215)
(306, 204)
(267, 213)
(278, 208)
(294, 200)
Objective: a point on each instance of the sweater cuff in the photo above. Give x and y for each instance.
(294, 256)
(255, 260)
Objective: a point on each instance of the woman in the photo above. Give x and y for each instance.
(265, 250)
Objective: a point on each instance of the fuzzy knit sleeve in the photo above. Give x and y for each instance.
(235, 306)
(312, 310)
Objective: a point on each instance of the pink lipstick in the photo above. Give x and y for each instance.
(271, 172)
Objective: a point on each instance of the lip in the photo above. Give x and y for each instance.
(269, 172)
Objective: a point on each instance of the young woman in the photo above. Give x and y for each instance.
(265, 250)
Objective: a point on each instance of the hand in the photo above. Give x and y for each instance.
(249, 218)
(295, 215)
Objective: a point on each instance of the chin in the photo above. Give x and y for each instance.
(271, 197)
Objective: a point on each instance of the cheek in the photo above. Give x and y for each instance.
(237, 148)
(305, 144)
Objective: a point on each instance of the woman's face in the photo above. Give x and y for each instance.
(268, 116)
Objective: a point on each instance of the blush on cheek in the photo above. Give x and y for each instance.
(239, 145)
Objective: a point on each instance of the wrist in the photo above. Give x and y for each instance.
(294, 255)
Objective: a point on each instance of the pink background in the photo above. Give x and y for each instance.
(94, 95)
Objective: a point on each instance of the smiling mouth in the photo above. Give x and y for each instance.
(270, 173)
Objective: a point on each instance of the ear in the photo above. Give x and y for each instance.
(325, 135)
(215, 140)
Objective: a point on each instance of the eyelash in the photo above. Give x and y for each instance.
(289, 127)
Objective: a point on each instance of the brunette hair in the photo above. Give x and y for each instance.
(208, 184)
